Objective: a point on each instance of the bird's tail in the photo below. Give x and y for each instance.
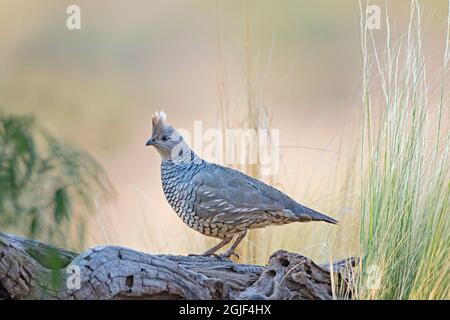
(317, 216)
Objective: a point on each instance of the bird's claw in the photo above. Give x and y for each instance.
(206, 254)
(224, 256)
(227, 255)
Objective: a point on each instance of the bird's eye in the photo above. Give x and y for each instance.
(165, 138)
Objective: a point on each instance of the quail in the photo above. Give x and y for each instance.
(218, 201)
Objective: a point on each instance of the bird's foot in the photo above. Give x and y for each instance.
(223, 256)
(228, 254)
(206, 254)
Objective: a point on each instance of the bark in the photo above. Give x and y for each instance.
(33, 270)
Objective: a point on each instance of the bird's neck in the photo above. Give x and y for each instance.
(181, 153)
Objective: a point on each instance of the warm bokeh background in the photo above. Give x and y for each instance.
(97, 88)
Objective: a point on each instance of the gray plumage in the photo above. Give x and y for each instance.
(219, 201)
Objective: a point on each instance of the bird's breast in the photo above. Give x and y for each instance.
(179, 192)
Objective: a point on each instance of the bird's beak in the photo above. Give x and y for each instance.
(150, 142)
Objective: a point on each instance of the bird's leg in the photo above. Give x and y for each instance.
(230, 252)
(211, 251)
(217, 247)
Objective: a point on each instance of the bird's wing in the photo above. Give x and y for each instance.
(230, 194)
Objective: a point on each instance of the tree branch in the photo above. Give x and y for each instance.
(33, 270)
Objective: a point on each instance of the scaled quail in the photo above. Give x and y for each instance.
(217, 201)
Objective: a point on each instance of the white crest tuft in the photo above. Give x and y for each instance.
(159, 119)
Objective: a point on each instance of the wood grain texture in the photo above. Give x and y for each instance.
(111, 272)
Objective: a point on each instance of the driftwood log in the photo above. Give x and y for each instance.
(33, 270)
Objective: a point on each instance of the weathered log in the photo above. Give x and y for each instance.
(33, 270)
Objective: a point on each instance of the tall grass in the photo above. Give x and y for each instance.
(250, 114)
(243, 106)
(405, 190)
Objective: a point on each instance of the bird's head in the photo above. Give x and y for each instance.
(164, 137)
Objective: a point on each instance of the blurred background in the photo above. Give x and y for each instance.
(96, 89)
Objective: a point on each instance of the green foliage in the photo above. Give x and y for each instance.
(46, 186)
(62, 204)
(405, 196)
